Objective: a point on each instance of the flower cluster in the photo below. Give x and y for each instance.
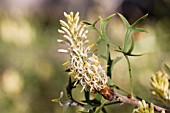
(144, 107)
(160, 86)
(84, 65)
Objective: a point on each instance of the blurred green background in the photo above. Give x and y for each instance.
(31, 71)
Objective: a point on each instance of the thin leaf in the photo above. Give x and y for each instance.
(100, 108)
(131, 46)
(95, 22)
(108, 41)
(135, 54)
(115, 61)
(130, 54)
(103, 25)
(126, 23)
(139, 30)
(167, 69)
(99, 41)
(139, 21)
(126, 40)
(104, 57)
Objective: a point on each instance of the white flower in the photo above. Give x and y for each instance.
(84, 65)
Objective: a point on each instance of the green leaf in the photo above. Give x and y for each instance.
(134, 54)
(115, 61)
(110, 82)
(99, 41)
(139, 30)
(100, 108)
(139, 21)
(104, 57)
(128, 44)
(126, 23)
(130, 53)
(103, 25)
(131, 46)
(108, 41)
(126, 40)
(167, 69)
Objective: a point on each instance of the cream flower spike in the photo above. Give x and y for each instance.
(160, 86)
(143, 107)
(84, 65)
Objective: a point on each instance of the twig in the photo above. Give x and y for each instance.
(109, 94)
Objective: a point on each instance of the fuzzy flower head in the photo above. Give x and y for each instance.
(84, 66)
(160, 86)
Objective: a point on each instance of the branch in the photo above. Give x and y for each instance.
(109, 94)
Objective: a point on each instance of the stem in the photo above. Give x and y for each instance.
(109, 62)
(134, 101)
(130, 75)
(109, 94)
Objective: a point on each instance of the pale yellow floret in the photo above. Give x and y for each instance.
(62, 50)
(65, 63)
(63, 23)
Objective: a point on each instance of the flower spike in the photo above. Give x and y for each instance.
(85, 67)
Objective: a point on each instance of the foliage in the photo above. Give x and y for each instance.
(85, 67)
